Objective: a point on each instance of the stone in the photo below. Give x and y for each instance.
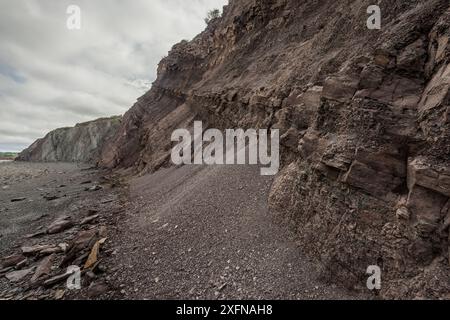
(437, 91)
(5, 270)
(376, 183)
(384, 59)
(63, 246)
(426, 206)
(291, 138)
(56, 279)
(337, 161)
(16, 276)
(308, 144)
(371, 77)
(36, 234)
(12, 260)
(52, 250)
(422, 174)
(59, 294)
(442, 47)
(33, 250)
(402, 213)
(59, 225)
(340, 88)
(93, 256)
(44, 268)
(97, 288)
(22, 264)
(84, 240)
(89, 219)
(413, 57)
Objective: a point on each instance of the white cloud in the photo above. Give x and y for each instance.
(53, 77)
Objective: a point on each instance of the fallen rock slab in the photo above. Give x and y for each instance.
(35, 235)
(16, 276)
(59, 226)
(56, 279)
(52, 250)
(5, 270)
(44, 268)
(84, 240)
(12, 260)
(89, 219)
(33, 250)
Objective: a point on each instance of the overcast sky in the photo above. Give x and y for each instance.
(52, 77)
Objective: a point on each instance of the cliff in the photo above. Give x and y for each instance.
(82, 143)
(364, 117)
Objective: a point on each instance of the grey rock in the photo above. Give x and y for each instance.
(16, 276)
(82, 143)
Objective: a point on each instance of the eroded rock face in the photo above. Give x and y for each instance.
(82, 143)
(364, 119)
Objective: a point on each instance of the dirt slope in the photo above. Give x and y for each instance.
(206, 232)
(364, 120)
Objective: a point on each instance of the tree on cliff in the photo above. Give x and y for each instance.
(212, 14)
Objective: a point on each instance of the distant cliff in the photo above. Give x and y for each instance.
(82, 143)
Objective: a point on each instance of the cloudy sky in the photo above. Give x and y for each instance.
(53, 77)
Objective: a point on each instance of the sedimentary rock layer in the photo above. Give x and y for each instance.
(82, 143)
(364, 122)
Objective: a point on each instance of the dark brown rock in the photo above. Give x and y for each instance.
(44, 268)
(12, 260)
(59, 225)
(97, 288)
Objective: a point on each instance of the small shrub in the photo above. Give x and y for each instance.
(212, 14)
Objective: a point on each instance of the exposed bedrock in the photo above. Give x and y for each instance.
(83, 143)
(364, 121)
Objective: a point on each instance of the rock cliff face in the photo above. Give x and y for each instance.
(82, 143)
(364, 117)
